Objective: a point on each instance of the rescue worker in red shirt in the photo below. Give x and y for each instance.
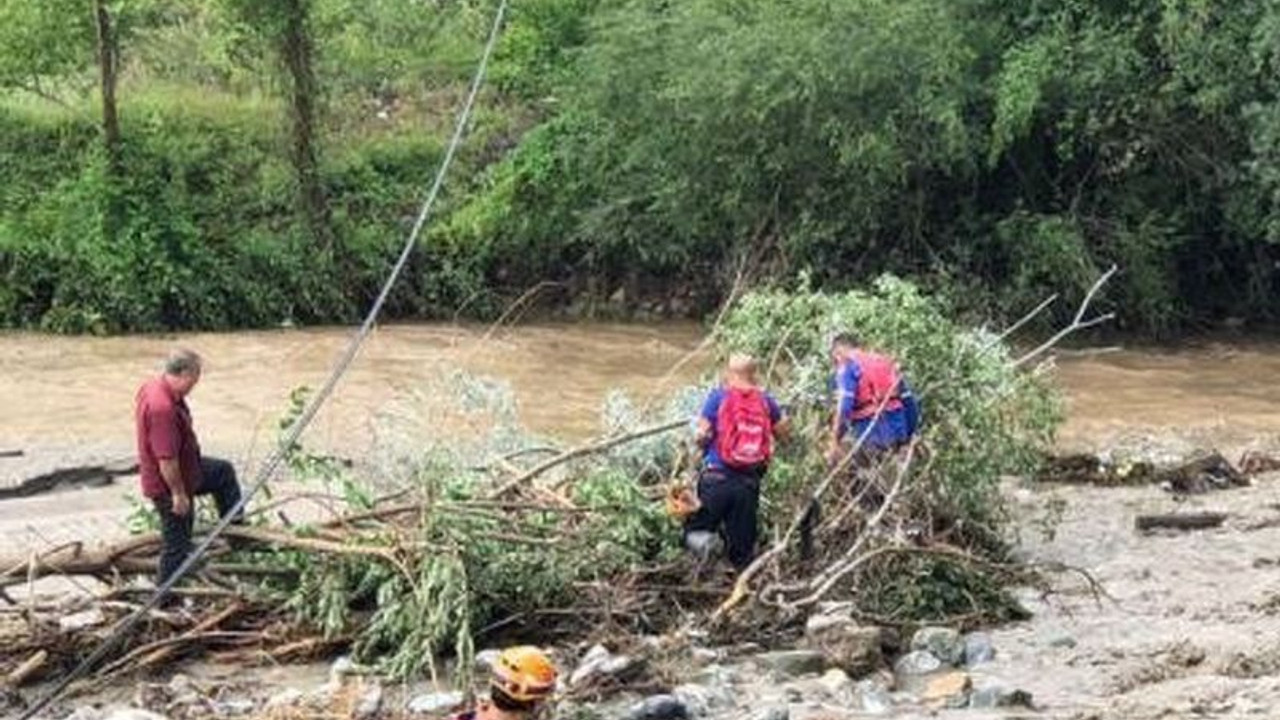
(736, 429)
(872, 399)
(172, 470)
(874, 404)
(521, 680)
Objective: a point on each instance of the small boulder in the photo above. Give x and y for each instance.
(236, 707)
(873, 697)
(83, 620)
(659, 707)
(944, 643)
(134, 714)
(369, 703)
(485, 659)
(777, 712)
(846, 644)
(84, 712)
(434, 703)
(919, 662)
(838, 686)
(288, 698)
(700, 700)
(950, 689)
(703, 657)
(342, 667)
(792, 663)
(600, 663)
(978, 649)
(990, 696)
(182, 690)
(1063, 641)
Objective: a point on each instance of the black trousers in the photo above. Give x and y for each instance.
(219, 480)
(731, 506)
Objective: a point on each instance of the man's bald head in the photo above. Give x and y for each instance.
(742, 368)
(182, 370)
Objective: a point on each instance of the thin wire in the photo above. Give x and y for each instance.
(308, 413)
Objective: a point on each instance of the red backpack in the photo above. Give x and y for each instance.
(878, 378)
(744, 429)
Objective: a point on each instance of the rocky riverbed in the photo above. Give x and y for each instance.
(1187, 626)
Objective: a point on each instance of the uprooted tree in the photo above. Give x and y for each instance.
(493, 531)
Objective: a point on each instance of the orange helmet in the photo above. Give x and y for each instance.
(524, 673)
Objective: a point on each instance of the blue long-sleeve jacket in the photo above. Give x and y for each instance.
(891, 428)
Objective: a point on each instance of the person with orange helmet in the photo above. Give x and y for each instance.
(521, 680)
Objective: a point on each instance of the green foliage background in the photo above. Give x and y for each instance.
(998, 151)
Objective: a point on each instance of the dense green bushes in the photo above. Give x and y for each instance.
(997, 151)
(1003, 151)
(210, 239)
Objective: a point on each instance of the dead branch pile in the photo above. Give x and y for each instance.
(1204, 473)
(259, 594)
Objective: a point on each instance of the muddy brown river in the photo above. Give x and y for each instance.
(77, 391)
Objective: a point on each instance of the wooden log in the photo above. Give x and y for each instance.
(73, 559)
(153, 653)
(29, 667)
(1180, 521)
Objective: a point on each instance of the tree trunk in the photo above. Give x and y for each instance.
(1180, 521)
(109, 67)
(298, 54)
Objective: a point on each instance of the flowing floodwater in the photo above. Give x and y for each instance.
(65, 390)
(77, 392)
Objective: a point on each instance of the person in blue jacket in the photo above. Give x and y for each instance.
(736, 429)
(873, 402)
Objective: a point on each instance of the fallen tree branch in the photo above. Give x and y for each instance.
(741, 586)
(155, 652)
(1077, 323)
(72, 559)
(308, 646)
(1180, 521)
(582, 451)
(29, 667)
(822, 583)
(1004, 334)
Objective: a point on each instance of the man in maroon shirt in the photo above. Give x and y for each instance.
(169, 460)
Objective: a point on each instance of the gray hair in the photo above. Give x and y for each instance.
(182, 361)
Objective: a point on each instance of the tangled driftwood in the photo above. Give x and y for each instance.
(1210, 471)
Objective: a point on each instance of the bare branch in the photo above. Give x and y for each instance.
(1004, 335)
(583, 450)
(1077, 323)
(851, 560)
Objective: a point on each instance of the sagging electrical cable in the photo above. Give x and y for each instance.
(309, 412)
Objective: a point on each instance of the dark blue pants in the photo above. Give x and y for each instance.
(218, 478)
(730, 506)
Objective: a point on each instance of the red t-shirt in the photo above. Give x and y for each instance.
(164, 432)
